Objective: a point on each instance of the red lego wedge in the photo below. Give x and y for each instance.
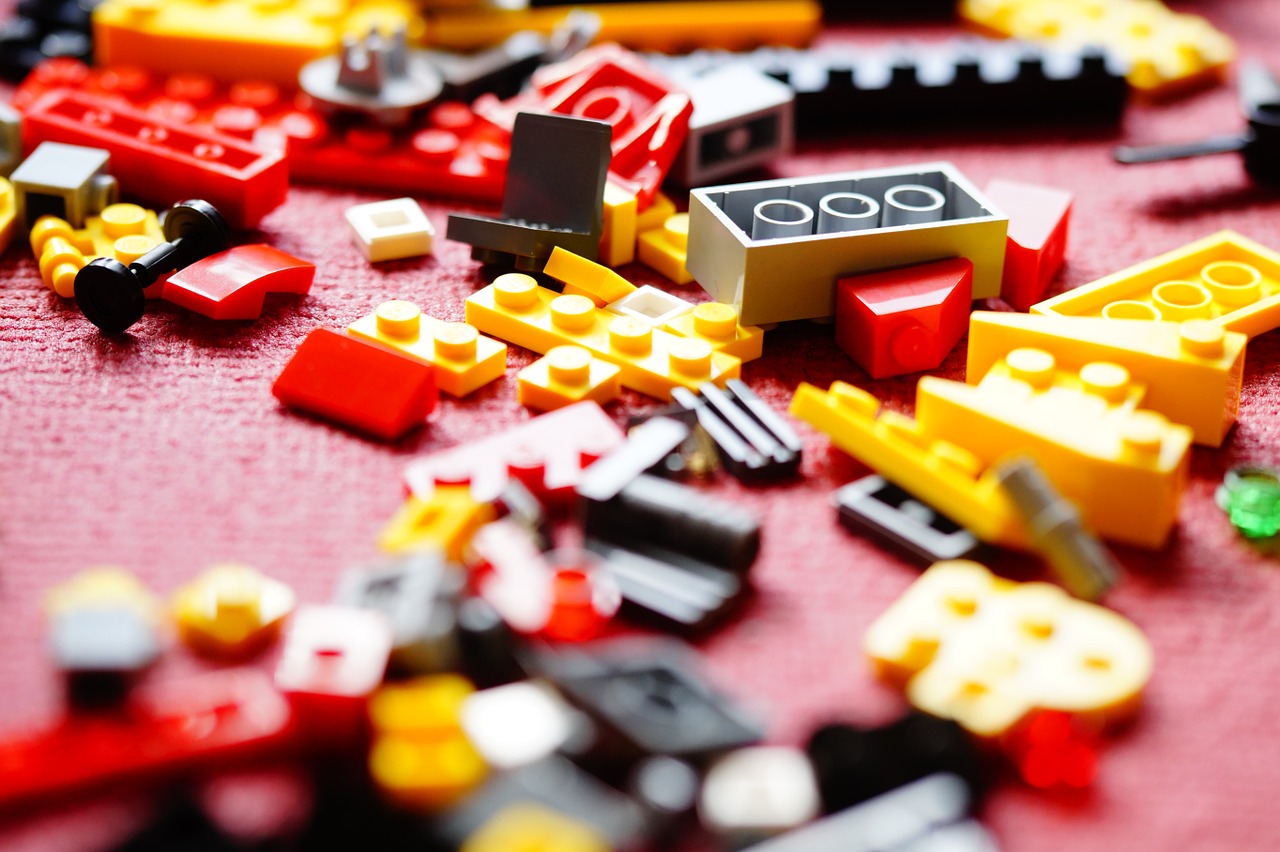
(1037, 242)
(231, 285)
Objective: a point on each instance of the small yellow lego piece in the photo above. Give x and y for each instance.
(124, 232)
(1124, 467)
(565, 375)
(446, 521)
(584, 277)
(986, 651)
(526, 827)
(8, 213)
(231, 610)
(420, 755)
(104, 586)
(652, 361)
(659, 210)
(618, 239)
(665, 249)
(1226, 278)
(464, 359)
(717, 324)
(1192, 370)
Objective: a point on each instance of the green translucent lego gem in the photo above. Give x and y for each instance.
(1251, 498)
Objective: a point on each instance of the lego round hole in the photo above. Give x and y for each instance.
(1232, 283)
(912, 204)
(1129, 310)
(781, 217)
(847, 211)
(610, 104)
(1182, 300)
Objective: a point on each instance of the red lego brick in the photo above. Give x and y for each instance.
(160, 160)
(357, 383)
(1037, 242)
(231, 284)
(214, 719)
(650, 116)
(547, 455)
(904, 320)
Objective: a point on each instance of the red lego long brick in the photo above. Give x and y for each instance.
(904, 320)
(214, 719)
(1037, 241)
(232, 284)
(160, 160)
(547, 455)
(358, 384)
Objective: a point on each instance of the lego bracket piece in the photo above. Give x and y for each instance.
(774, 249)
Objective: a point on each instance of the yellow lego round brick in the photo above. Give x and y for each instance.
(1144, 431)
(630, 336)
(399, 319)
(691, 357)
(676, 230)
(572, 313)
(1107, 380)
(1203, 338)
(129, 248)
(569, 365)
(231, 610)
(714, 319)
(457, 341)
(515, 290)
(526, 827)
(426, 773)
(1033, 366)
(422, 708)
(122, 220)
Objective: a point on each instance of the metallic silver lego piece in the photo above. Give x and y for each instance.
(377, 76)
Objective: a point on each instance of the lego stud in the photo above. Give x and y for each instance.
(1232, 283)
(715, 319)
(515, 290)
(1126, 309)
(676, 230)
(569, 365)
(1182, 300)
(1033, 366)
(1144, 431)
(691, 357)
(584, 595)
(573, 313)
(131, 248)
(398, 319)
(110, 294)
(912, 204)
(781, 217)
(457, 341)
(631, 336)
(847, 211)
(1204, 338)
(1104, 379)
(121, 220)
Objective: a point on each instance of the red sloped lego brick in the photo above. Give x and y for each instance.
(231, 285)
(1037, 242)
(904, 320)
(162, 161)
(358, 384)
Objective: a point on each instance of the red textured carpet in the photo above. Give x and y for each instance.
(163, 451)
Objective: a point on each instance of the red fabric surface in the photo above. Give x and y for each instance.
(163, 451)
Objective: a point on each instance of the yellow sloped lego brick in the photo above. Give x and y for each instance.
(1193, 370)
(584, 277)
(565, 375)
(231, 610)
(986, 651)
(445, 521)
(717, 324)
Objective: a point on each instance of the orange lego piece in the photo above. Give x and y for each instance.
(231, 610)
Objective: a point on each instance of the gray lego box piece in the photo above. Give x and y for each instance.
(742, 118)
(67, 181)
(794, 277)
(10, 139)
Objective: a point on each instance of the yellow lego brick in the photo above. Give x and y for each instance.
(709, 24)
(231, 610)
(1125, 468)
(717, 323)
(8, 213)
(124, 232)
(665, 249)
(565, 375)
(946, 477)
(446, 521)
(237, 40)
(1166, 52)
(426, 708)
(1225, 277)
(464, 359)
(584, 277)
(618, 239)
(104, 586)
(1192, 370)
(652, 361)
(526, 827)
(662, 209)
(986, 652)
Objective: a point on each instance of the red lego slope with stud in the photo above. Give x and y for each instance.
(164, 451)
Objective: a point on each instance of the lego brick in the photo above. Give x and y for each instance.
(645, 447)
(232, 284)
(501, 69)
(445, 520)
(618, 238)
(665, 250)
(582, 277)
(235, 39)
(651, 306)
(373, 75)
(231, 611)
(1225, 277)
(464, 360)
(1083, 428)
(565, 375)
(752, 440)
(522, 826)
(390, 230)
(1251, 498)
(160, 160)
(1165, 52)
(744, 270)
(672, 588)
(10, 140)
(873, 505)
(728, 24)
(553, 197)
(517, 724)
(659, 210)
(752, 794)
(552, 449)
(947, 477)
(652, 361)
(903, 320)
(8, 213)
(70, 182)
(717, 324)
(124, 232)
(998, 650)
(357, 384)
(1192, 370)
(216, 719)
(1038, 220)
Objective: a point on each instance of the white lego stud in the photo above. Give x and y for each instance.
(650, 305)
(391, 230)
